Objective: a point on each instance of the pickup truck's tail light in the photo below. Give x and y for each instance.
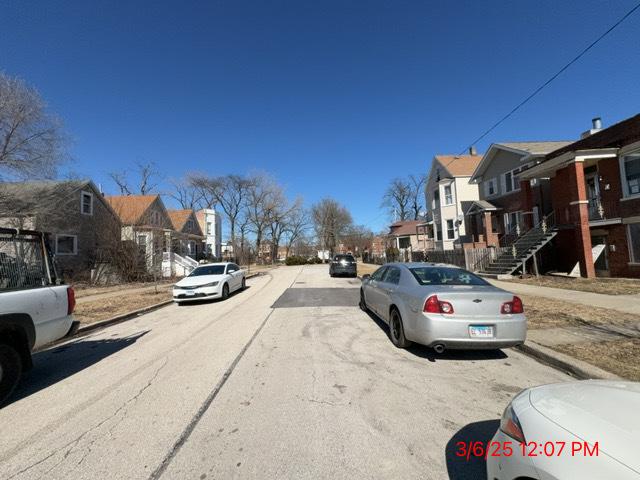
(514, 306)
(71, 300)
(433, 305)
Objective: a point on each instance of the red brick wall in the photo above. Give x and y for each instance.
(619, 260)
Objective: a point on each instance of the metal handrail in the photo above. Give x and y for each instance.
(547, 222)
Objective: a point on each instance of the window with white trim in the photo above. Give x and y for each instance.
(448, 195)
(209, 228)
(490, 187)
(631, 171)
(451, 231)
(510, 180)
(66, 244)
(633, 231)
(86, 203)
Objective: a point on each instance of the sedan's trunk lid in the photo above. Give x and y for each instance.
(471, 300)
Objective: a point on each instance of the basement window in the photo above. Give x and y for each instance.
(66, 245)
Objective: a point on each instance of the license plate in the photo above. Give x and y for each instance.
(190, 293)
(480, 331)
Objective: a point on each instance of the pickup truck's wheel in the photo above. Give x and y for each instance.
(10, 371)
(225, 291)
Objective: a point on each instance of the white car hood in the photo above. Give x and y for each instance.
(607, 412)
(199, 280)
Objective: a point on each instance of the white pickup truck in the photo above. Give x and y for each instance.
(35, 309)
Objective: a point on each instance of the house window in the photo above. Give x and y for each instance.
(404, 242)
(508, 182)
(66, 245)
(190, 224)
(86, 203)
(490, 187)
(632, 173)
(633, 229)
(511, 220)
(209, 228)
(451, 232)
(438, 233)
(448, 196)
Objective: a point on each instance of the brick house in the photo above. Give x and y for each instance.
(448, 195)
(595, 195)
(505, 203)
(405, 237)
(82, 225)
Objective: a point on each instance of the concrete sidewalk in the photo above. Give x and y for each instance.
(621, 303)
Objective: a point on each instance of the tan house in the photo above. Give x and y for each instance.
(187, 238)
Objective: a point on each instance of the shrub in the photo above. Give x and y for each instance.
(295, 260)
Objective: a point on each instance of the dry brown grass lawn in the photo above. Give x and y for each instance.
(617, 286)
(85, 291)
(549, 313)
(621, 357)
(367, 268)
(105, 308)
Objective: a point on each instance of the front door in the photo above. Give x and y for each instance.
(600, 252)
(593, 194)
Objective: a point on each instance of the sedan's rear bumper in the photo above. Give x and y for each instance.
(453, 332)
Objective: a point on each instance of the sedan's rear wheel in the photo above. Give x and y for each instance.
(396, 330)
(225, 291)
(244, 283)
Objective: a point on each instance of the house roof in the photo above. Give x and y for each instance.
(131, 208)
(405, 227)
(616, 136)
(481, 206)
(179, 218)
(459, 165)
(21, 198)
(523, 148)
(535, 148)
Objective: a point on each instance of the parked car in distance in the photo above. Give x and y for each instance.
(35, 308)
(580, 429)
(343, 265)
(209, 281)
(443, 306)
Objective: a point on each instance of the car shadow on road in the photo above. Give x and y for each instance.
(214, 300)
(54, 365)
(474, 468)
(431, 355)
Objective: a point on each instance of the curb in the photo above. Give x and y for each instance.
(572, 366)
(129, 315)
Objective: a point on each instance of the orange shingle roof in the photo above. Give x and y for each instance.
(179, 218)
(130, 208)
(459, 165)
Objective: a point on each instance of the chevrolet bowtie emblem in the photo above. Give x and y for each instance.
(477, 300)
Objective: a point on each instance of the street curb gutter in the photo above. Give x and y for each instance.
(82, 331)
(574, 367)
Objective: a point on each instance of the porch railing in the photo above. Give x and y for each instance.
(603, 210)
(508, 239)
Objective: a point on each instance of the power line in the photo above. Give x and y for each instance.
(552, 78)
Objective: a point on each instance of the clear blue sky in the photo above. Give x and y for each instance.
(332, 97)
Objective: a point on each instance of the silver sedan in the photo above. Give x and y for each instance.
(443, 306)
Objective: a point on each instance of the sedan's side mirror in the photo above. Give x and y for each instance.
(365, 276)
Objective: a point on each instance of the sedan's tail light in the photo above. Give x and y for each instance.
(71, 300)
(514, 306)
(433, 305)
(510, 425)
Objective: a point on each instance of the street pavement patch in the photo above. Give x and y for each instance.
(318, 297)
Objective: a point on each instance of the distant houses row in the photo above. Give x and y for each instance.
(565, 206)
(89, 229)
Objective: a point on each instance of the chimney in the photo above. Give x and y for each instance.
(472, 150)
(596, 126)
(597, 123)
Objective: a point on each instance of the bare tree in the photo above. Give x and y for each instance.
(397, 199)
(261, 189)
(229, 192)
(417, 183)
(278, 212)
(146, 176)
(330, 221)
(183, 192)
(297, 224)
(32, 144)
(358, 238)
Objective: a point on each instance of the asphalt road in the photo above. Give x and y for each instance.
(288, 379)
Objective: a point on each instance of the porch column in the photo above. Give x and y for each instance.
(491, 238)
(579, 214)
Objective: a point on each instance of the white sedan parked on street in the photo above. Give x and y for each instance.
(587, 430)
(212, 280)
